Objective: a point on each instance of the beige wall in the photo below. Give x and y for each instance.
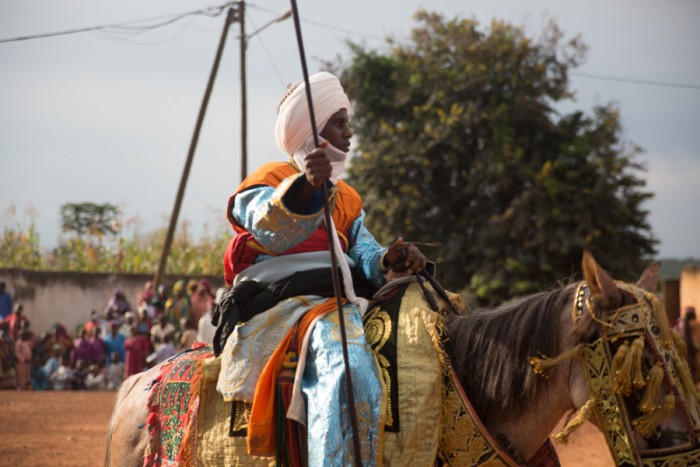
(69, 297)
(690, 288)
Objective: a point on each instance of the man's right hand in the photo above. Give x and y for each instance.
(318, 166)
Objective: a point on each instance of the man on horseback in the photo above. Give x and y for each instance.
(278, 311)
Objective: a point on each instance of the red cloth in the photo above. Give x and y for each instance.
(137, 348)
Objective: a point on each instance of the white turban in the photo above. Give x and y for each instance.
(293, 134)
(294, 137)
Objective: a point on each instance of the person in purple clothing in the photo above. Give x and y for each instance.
(98, 349)
(81, 349)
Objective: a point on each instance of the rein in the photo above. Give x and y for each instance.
(331, 247)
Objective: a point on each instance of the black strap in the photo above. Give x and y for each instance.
(250, 298)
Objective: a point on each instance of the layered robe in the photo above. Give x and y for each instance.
(272, 243)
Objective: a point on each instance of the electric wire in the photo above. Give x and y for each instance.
(666, 84)
(266, 52)
(128, 27)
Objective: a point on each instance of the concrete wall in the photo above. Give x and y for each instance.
(690, 288)
(69, 297)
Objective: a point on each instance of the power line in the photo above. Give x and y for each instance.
(667, 84)
(330, 27)
(128, 27)
(131, 28)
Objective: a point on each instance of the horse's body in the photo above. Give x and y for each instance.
(489, 350)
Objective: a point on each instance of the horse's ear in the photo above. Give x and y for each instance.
(602, 286)
(650, 278)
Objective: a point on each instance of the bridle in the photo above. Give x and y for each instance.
(631, 357)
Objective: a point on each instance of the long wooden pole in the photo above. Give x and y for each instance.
(244, 92)
(160, 272)
(331, 246)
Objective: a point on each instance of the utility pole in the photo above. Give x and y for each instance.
(244, 92)
(231, 16)
(235, 13)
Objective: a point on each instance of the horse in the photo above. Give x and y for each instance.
(523, 368)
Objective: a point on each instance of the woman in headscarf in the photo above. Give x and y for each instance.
(178, 306)
(118, 303)
(281, 247)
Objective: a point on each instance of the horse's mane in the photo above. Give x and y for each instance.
(490, 350)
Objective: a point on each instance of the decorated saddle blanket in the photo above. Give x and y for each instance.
(428, 418)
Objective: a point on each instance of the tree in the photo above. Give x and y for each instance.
(90, 218)
(459, 142)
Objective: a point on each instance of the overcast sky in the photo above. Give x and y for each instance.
(107, 116)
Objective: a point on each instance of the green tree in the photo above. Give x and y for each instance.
(90, 218)
(459, 142)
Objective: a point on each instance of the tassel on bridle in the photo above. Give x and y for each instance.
(544, 366)
(583, 414)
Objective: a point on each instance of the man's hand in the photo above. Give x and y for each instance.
(405, 257)
(318, 166)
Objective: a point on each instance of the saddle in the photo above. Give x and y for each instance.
(428, 418)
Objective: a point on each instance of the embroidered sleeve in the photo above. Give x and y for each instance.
(366, 251)
(261, 211)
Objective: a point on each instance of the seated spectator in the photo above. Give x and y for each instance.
(81, 349)
(163, 350)
(37, 375)
(188, 335)
(80, 373)
(96, 378)
(62, 378)
(23, 352)
(52, 363)
(115, 372)
(59, 336)
(162, 328)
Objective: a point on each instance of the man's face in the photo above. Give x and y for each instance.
(337, 131)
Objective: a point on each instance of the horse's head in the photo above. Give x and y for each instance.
(632, 375)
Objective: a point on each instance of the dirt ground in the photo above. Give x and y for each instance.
(68, 429)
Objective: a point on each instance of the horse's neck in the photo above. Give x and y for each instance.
(524, 435)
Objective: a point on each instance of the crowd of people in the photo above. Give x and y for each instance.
(111, 345)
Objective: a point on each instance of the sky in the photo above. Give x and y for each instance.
(107, 116)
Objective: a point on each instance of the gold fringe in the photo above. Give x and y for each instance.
(544, 366)
(650, 399)
(583, 414)
(620, 380)
(657, 309)
(683, 371)
(630, 372)
(646, 424)
(680, 345)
